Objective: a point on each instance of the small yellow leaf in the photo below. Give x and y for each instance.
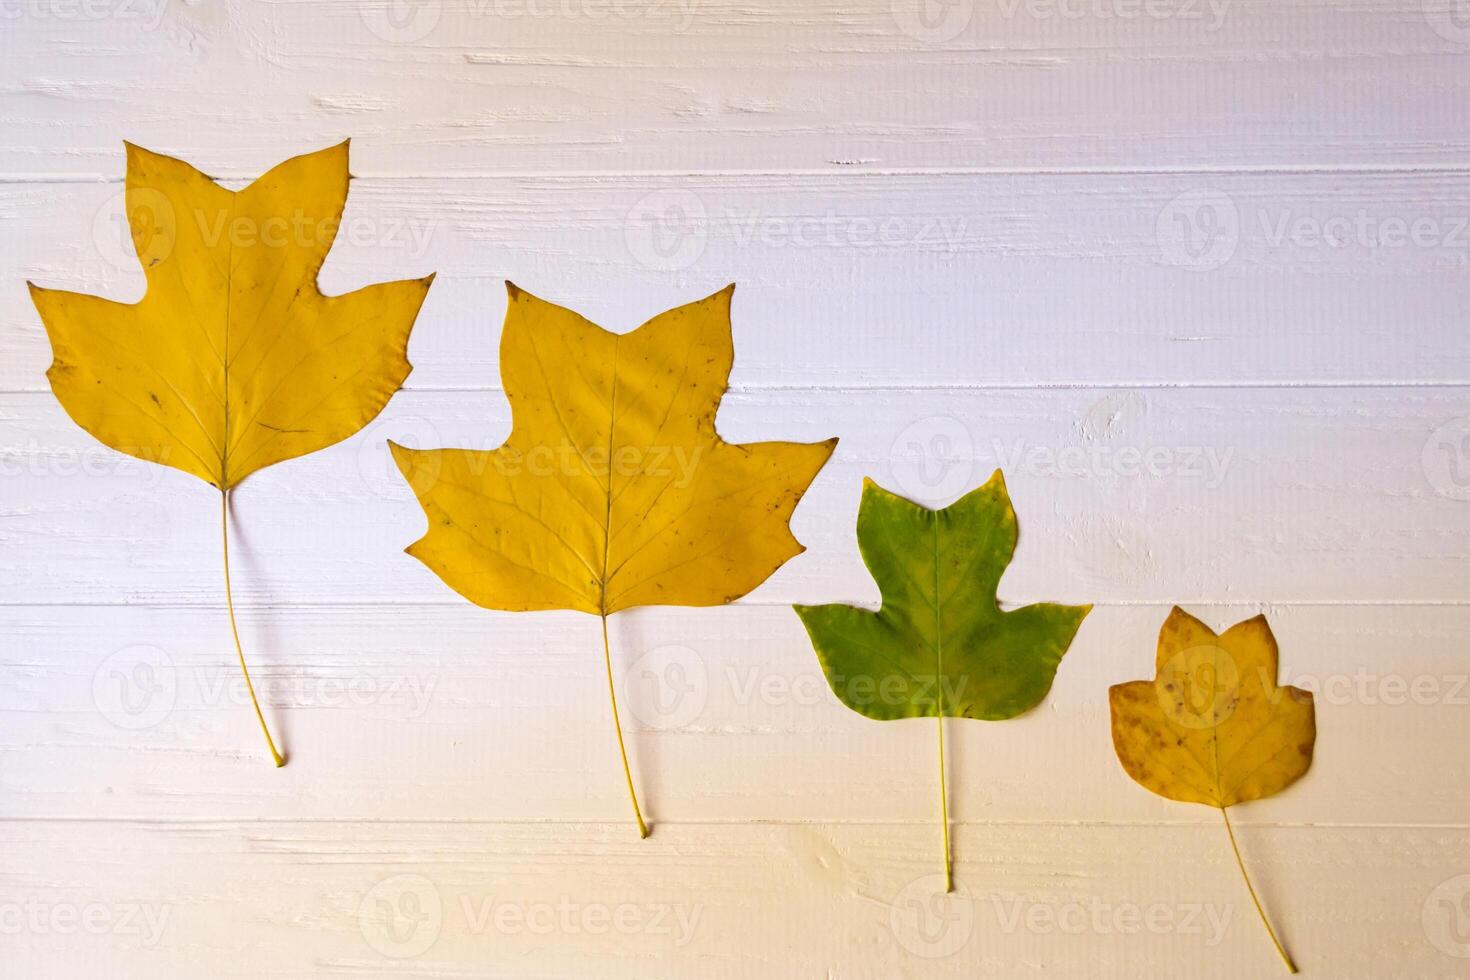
(1213, 726)
(233, 360)
(613, 489)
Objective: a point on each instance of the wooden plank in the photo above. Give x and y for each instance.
(453, 900)
(458, 714)
(892, 281)
(490, 86)
(1281, 495)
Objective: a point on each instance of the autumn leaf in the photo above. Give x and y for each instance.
(233, 360)
(940, 646)
(613, 489)
(1213, 726)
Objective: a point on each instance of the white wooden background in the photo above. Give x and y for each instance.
(1229, 240)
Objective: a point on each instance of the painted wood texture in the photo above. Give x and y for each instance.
(917, 279)
(531, 86)
(1196, 275)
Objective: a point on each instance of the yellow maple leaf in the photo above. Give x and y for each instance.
(1213, 726)
(613, 489)
(233, 360)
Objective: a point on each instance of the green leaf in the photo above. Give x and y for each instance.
(940, 645)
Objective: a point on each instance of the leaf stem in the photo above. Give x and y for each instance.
(944, 808)
(618, 727)
(1285, 956)
(939, 714)
(224, 527)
